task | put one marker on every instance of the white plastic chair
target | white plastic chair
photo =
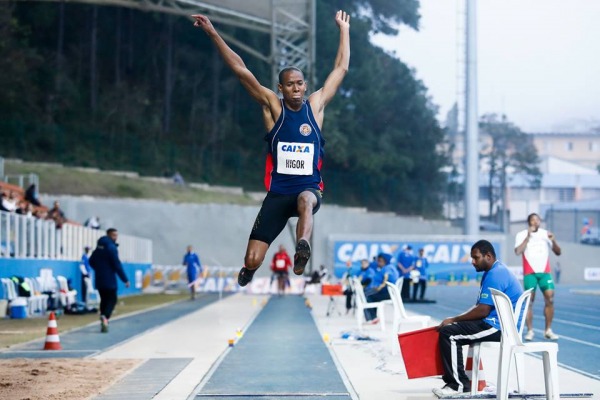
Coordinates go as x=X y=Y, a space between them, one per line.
x=67 y=297
x=11 y=294
x=92 y=296
x=37 y=302
x=400 y=315
x=520 y=314
x=511 y=344
x=362 y=304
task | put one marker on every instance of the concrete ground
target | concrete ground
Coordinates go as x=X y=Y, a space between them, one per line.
x=371 y=369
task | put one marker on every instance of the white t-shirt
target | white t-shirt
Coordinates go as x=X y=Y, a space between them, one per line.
x=536 y=257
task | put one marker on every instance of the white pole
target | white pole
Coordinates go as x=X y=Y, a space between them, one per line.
x=471 y=117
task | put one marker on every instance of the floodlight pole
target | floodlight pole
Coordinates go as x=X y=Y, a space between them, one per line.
x=471 y=136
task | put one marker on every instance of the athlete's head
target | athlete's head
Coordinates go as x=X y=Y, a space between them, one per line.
x=483 y=255
x=292 y=86
x=189 y=248
x=534 y=221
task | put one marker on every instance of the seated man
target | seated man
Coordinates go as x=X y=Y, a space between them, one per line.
x=378 y=291
x=478 y=324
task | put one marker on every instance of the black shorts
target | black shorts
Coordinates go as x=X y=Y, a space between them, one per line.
x=275 y=211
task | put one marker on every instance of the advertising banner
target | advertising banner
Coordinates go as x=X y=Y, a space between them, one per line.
x=449 y=258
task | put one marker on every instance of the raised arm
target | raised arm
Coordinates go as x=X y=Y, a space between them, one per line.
x=260 y=93
x=320 y=98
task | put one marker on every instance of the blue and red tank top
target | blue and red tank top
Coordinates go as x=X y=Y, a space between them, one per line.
x=295 y=152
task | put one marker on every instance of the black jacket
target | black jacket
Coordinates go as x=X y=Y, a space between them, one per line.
x=105 y=262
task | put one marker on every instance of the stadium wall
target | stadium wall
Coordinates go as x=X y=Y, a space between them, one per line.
x=219 y=232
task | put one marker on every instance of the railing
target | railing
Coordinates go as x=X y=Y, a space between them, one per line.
x=30 y=237
x=22 y=180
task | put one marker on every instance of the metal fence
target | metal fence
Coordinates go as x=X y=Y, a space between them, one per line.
x=29 y=237
x=568 y=225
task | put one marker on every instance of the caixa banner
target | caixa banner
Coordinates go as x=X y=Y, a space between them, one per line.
x=449 y=259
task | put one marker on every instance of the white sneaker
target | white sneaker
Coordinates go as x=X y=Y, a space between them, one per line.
x=550 y=335
x=529 y=335
x=445 y=391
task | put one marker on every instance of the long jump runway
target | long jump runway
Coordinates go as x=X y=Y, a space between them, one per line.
x=281 y=356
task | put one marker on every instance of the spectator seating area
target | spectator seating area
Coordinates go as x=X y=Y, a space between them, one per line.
x=39 y=294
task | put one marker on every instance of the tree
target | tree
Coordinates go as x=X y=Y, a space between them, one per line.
x=509 y=151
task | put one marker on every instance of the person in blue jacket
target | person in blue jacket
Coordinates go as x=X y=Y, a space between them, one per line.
x=406 y=263
x=86 y=271
x=378 y=291
x=193 y=267
x=106 y=264
x=478 y=324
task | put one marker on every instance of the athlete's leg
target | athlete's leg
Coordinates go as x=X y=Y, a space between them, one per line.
x=308 y=204
x=307 y=201
x=548 y=307
x=529 y=319
x=255 y=254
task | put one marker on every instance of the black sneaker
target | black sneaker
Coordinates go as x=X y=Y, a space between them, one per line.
x=245 y=276
x=301 y=257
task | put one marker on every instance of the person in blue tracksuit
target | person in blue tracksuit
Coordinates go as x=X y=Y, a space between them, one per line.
x=478 y=324
x=107 y=266
x=86 y=272
x=294 y=147
x=193 y=268
x=406 y=263
x=378 y=291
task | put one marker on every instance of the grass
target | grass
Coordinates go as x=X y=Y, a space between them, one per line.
x=15 y=331
x=56 y=179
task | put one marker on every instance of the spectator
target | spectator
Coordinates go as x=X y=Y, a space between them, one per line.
x=193 y=268
x=86 y=271
x=346 y=280
x=106 y=264
x=92 y=222
x=406 y=263
x=386 y=272
x=57 y=215
x=178 y=179
x=31 y=195
x=9 y=203
x=420 y=280
x=479 y=324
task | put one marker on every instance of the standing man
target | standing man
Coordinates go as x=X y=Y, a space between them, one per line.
x=478 y=324
x=406 y=263
x=534 y=244
x=295 y=147
x=280 y=266
x=193 y=267
x=86 y=271
x=421 y=265
x=106 y=264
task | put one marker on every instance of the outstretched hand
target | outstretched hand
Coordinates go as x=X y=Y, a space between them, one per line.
x=342 y=19
x=202 y=21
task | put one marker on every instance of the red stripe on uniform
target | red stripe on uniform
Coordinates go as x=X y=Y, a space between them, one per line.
x=268 y=171
x=319 y=165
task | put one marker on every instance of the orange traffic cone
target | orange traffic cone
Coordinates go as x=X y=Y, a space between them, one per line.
x=469 y=370
x=52 y=339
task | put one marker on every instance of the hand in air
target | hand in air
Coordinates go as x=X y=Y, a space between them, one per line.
x=342 y=19
x=202 y=21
